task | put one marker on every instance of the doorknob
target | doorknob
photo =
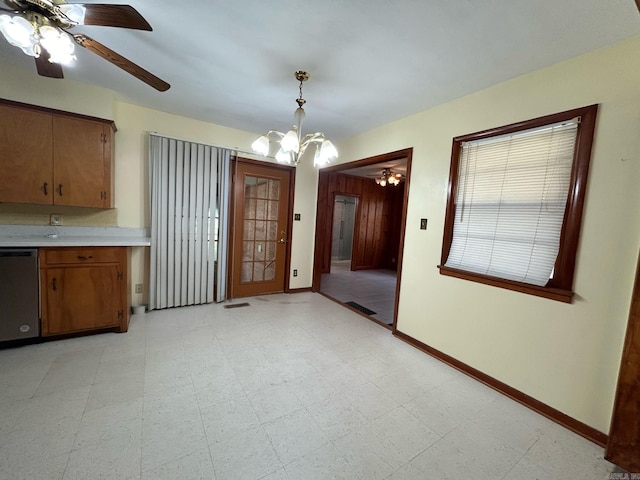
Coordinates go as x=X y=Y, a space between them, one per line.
x=283 y=237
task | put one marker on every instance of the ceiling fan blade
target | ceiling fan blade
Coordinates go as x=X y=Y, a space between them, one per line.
x=124 y=16
x=45 y=67
x=119 y=61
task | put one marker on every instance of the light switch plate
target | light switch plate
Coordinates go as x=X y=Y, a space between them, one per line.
x=423 y=224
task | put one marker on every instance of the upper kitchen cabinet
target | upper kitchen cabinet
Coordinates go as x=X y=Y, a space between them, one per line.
x=51 y=157
x=26 y=156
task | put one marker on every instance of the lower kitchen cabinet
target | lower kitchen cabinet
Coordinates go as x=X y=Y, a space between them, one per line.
x=84 y=289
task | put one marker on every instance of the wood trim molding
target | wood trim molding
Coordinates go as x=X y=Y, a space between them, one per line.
x=545 y=292
x=623 y=447
x=551 y=413
x=299 y=290
x=53 y=111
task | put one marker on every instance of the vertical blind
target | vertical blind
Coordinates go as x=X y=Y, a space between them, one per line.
x=189 y=189
x=510 y=203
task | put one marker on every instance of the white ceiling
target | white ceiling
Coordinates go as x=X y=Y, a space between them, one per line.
x=231 y=62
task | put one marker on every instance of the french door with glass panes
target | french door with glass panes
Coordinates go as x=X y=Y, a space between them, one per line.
x=260 y=228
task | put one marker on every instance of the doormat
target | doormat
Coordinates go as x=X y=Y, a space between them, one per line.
x=237 y=305
x=360 y=308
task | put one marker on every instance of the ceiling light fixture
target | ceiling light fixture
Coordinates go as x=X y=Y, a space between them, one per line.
x=292 y=145
x=389 y=178
x=34 y=33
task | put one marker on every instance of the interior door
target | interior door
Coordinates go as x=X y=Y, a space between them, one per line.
x=260 y=242
x=623 y=447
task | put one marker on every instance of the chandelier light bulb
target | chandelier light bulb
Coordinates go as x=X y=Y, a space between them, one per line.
x=283 y=157
x=261 y=145
x=289 y=142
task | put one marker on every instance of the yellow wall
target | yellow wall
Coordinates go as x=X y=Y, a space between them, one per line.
x=564 y=355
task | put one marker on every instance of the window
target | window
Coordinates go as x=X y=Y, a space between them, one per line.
x=515 y=201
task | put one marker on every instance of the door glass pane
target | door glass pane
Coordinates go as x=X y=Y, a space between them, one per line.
x=273 y=210
x=272 y=231
x=247 y=271
x=261 y=209
x=274 y=189
x=260 y=230
x=270 y=272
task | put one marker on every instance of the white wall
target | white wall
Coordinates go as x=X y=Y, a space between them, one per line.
x=566 y=355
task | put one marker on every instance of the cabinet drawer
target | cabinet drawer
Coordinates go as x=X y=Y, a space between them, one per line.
x=82 y=255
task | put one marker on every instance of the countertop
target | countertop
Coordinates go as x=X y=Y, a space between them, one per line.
x=45 y=236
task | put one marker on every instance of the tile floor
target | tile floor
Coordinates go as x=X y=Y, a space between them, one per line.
x=292 y=387
x=374 y=289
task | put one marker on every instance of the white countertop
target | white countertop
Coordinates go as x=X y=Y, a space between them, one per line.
x=45 y=236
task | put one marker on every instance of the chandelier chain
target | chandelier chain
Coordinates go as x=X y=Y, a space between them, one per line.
x=300 y=101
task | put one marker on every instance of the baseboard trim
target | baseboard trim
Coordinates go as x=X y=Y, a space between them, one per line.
x=551 y=413
x=299 y=290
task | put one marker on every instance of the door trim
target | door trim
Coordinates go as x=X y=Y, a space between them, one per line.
x=624 y=431
x=321 y=215
x=232 y=229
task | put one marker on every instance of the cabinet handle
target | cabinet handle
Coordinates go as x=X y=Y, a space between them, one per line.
x=60 y=189
x=44 y=188
x=84 y=257
x=53 y=285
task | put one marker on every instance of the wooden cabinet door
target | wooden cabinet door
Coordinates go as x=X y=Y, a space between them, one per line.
x=79 y=162
x=80 y=298
x=26 y=154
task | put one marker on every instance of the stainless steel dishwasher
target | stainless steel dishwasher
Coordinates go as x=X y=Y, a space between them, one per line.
x=19 y=294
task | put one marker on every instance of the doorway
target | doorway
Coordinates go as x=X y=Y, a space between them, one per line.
x=344 y=220
x=260 y=247
x=374 y=272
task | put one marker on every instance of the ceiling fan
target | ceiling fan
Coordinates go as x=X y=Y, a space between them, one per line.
x=40 y=29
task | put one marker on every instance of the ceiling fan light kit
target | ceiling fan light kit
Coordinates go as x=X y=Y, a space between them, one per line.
x=388 y=177
x=39 y=29
x=292 y=145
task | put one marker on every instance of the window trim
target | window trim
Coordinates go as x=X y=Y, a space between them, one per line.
x=560 y=287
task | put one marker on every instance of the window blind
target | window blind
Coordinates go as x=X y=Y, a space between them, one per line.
x=189 y=189
x=510 y=203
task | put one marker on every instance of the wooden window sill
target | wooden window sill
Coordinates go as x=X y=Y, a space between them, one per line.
x=565 y=296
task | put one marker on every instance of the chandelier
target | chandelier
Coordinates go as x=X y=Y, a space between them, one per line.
x=388 y=178
x=293 y=145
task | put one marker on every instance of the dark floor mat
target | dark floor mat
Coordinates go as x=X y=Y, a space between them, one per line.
x=360 y=308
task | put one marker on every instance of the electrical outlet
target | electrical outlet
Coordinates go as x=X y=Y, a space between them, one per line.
x=296 y=217
x=55 y=219
x=138 y=288
x=295 y=272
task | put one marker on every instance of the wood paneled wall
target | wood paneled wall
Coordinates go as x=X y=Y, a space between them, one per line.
x=378 y=220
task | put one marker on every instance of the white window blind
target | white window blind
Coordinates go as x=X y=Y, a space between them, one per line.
x=189 y=184
x=510 y=203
